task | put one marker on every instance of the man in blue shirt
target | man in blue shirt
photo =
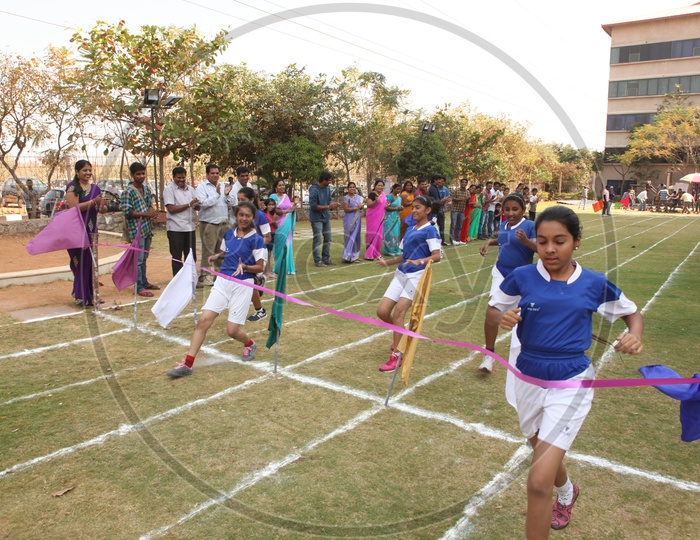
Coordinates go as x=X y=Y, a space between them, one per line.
x=439 y=193
x=319 y=205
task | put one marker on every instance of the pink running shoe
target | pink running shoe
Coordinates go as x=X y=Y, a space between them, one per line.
x=391 y=364
x=561 y=515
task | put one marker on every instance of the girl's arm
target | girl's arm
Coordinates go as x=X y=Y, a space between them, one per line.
x=256 y=268
x=523 y=239
x=390 y=262
x=505 y=319
x=630 y=342
x=346 y=206
x=434 y=256
x=217 y=256
x=485 y=247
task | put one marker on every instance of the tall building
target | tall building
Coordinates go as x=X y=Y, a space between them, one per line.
x=650 y=56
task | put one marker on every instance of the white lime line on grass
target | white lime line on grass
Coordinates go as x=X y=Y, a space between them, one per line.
x=499 y=483
x=125 y=429
x=82 y=383
x=39 y=350
x=610 y=352
x=271 y=469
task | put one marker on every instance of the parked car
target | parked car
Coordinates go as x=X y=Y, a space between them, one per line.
x=113 y=184
x=111 y=197
x=10 y=193
x=48 y=201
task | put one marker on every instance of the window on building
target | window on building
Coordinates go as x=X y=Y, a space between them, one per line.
x=654 y=87
x=625 y=122
x=655 y=51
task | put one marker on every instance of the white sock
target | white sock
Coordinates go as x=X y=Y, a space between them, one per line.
x=565 y=493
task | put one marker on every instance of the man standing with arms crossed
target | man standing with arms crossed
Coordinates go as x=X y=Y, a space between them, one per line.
x=181 y=202
x=441 y=196
x=319 y=205
x=460 y=197
x=213 y=218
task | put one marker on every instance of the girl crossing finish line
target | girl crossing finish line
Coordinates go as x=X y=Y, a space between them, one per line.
x=552 y=303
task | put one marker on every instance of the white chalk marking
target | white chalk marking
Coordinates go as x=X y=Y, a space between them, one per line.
x=39 y=350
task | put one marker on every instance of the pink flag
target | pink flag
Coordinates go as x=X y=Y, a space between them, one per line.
x=66 y=230
x=125 y=271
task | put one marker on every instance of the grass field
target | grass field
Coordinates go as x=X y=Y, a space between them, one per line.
x=236 y=451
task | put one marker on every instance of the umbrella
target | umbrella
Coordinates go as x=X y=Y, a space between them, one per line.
x=693 y=178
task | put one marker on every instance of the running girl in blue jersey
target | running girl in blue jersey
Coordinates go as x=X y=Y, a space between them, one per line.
x=516 y=247
x=243 y=252
x=552 y=302
x=420 y=244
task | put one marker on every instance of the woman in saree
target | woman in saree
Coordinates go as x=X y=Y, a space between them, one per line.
x=286 y=220
x=352 y=224
x=81 y=192
x=392 y=226
x=407 y=196
x=476 y=213
x=468 y=209
x=374 y=235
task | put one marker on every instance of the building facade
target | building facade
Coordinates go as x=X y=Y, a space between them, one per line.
x=650 y=57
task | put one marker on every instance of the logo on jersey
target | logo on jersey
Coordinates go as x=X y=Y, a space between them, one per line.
x=532 y=307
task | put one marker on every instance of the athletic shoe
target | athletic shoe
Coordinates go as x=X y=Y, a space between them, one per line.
x=320 y=264
x=561 y=514
x=391 y=364
x=258 y=315
x=329 y=263
x=249 y=352
x=180 y=371
x=487 y=364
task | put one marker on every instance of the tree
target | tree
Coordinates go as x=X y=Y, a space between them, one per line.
x=298 y=159
x=673 y=137
x=20 y=110
x=422 y=156
x=120 y=65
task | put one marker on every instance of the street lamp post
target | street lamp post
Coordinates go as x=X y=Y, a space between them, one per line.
x=152 y=100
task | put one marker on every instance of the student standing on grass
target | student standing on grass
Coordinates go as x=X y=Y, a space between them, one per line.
x=421 y=243
x=270 y=214
x=552 y=303
x=136 y=202
x=262 y=227
x=516 y=242
x=243 y=253
x=534 y=199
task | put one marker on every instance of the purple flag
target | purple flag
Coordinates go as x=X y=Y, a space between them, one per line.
x=66 y=230
x=125 y=271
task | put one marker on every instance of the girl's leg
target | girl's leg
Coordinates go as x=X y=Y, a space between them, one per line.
x=384 y=309
x=237 y=332
x=205 y=321
x=546 y=471
x=399 y=316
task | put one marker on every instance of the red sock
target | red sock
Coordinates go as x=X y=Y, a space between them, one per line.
x=189 y=360
x=250 y=343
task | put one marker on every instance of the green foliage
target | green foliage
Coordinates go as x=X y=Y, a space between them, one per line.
x=673 y=137
x=422 y=156
x=296 y=159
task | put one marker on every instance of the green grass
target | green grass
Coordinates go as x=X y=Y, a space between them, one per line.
x=311 y=451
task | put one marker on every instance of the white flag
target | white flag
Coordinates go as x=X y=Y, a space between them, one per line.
x=178 y=294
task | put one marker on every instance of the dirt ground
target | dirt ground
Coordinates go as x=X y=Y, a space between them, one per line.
x=23 y=302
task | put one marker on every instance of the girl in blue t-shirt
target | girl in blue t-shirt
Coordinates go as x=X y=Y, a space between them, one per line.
x=420 y=244
x=243 y=252
x=516 y=247
x=552 y=303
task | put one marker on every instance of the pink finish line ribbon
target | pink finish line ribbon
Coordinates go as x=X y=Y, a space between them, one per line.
x=589 y=383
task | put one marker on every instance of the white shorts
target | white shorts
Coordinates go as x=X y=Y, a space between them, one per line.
x=557 y=413
x=403 y=285
x=496 y=280
x=231 y=295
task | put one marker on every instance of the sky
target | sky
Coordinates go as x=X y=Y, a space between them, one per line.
x=542 y=63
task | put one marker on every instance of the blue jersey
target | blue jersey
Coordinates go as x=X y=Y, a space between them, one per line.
x=249 y=249
x=419 y=244
x=262 y=225
x=556 y=325
x=511 y=252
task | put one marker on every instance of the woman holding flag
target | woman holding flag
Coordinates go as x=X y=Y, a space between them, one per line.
x=421 y=243
x=81 y=192
x=243 y=252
